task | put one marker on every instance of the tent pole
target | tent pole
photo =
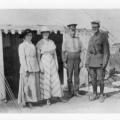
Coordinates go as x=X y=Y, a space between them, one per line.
x=2 y=82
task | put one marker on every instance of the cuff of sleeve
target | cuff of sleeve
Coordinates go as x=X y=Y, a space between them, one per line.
x=26 y=69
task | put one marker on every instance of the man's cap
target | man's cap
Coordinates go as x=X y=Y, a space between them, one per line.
x=72 y=26
x=95 y=22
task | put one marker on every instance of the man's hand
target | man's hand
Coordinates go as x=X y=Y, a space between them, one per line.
x=81 y=65
x=65 y=65
x=87 y=67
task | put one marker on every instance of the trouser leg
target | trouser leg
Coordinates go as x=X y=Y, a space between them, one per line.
x=100 y=75
x=69 y=75
x=76 y=74
x=93 y=76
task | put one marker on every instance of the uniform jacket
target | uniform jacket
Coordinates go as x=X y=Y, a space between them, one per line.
x=98 y=50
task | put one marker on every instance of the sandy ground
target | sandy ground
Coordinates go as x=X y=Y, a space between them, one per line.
x=75 y=105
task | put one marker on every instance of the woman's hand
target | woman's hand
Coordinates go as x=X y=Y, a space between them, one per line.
x=52 y=52
x=27 y=73
x=41 y=68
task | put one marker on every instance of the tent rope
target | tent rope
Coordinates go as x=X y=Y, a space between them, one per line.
x=10 y=93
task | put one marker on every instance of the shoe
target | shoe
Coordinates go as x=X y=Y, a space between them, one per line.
x=48 y=102
x=102 y=98
x=24 y=105
x=62 y=100
x=93 y=97
x=70 y=95
x=77 y=94
x=30 y=105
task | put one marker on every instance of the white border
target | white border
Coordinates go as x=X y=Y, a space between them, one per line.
x=59 y=4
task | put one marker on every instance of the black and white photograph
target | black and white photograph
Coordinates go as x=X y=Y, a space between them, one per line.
x=59 y=60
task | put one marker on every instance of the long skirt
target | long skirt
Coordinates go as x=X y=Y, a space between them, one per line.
x=49 y=80
x=29 y=88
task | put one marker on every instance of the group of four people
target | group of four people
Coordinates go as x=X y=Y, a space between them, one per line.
x=39 y=78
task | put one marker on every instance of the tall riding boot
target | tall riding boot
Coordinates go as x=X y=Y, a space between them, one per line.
x=95 y=88
x=101 y=88
x=102 y=97
x=94 y=95
x=70 y=88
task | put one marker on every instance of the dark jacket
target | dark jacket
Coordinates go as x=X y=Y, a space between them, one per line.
x=98 y=52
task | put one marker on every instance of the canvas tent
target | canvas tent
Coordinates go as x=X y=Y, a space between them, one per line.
x=18 y=20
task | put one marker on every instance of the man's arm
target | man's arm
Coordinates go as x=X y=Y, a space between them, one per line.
x=88 y=54
x=82 y=54
x=106 y=51
x=64 y=56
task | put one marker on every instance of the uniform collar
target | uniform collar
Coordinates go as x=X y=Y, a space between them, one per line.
x=97 y=33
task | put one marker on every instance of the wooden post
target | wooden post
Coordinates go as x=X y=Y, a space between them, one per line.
x=2 y=80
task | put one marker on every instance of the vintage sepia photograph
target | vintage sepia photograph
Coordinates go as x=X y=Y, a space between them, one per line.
x=59 y=61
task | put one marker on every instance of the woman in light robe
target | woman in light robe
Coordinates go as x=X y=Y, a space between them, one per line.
x=49 y=79
x=29 y=90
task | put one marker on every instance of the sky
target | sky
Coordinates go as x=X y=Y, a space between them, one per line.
x=110 y=19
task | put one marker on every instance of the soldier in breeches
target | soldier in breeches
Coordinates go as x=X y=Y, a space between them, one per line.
x=97 y=59
x=71 y=51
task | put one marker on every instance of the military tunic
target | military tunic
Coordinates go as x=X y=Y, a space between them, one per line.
x=97 y=57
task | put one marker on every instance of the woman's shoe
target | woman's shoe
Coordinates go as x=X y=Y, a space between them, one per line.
x=48 y=102
x=93 y=97
x=30 y=105
x=24 y=105
x=62 y=100
x=77 y=94
x=102 y=98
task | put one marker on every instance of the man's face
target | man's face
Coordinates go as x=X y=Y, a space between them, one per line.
x=72 y=32
x=95 y=28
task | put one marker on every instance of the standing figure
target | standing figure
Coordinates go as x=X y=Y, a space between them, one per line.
x=49 y=79
x=71 y=55
x=29 y=72
x=97 y=59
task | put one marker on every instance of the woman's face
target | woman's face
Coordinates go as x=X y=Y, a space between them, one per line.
x=28 y=37
x=45 y=35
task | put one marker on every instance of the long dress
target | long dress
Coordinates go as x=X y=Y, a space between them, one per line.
x=29 y=84
x=49 y=80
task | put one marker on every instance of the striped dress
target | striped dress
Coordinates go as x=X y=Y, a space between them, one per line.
x=49 y=79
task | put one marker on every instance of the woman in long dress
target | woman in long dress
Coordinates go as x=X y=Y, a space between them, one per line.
x=49 y=79
x=29 y=90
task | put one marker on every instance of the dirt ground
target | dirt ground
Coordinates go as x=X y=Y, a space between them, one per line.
x=74 y=105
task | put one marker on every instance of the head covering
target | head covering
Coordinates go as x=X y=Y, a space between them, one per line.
x=25 y=32
x=72 y=26
x=45 y=29
x=95 y=22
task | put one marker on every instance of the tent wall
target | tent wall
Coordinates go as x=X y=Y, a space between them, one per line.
x=2 y=80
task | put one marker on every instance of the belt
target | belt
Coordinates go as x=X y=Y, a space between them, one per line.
x=73 y=55
x=92 y=53
x=78 y=52
x=96 y=54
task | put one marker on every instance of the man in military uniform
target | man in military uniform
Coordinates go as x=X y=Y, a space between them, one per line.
x=71 y=50
x=97 y=59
